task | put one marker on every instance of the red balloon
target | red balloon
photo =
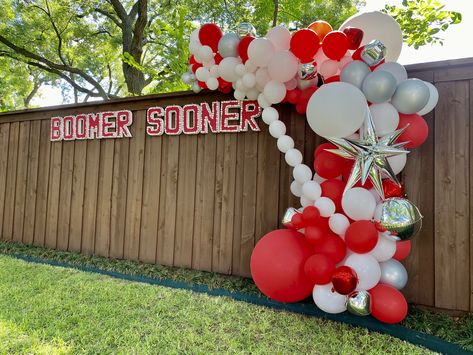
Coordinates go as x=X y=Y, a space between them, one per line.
x=333 y=246
x=319 y=269
x=355 y=36
x=388 y=305
x=209 y=35
x=335 y=45
x=301 y=108
x=333 y=189
x=292 y=96
x=403 y=249
x=344 y=280
x=192 y=60
x=357 y=54
x=315 y=234
x=346 y=174
x=304 y=44
x=202 y=84
x=297 y=221
x=218 y=58
x=332 y=79
x=243 y=47
x=329 y=165
x=196 y=66
x=391 y=189
x=307 y=93
x=322 y=147
x=373 y=67
x=416 y=132
x=361 y=236
x=277 y=265
x=310 y=215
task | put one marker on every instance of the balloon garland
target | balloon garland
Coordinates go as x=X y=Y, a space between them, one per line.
x=344 y=244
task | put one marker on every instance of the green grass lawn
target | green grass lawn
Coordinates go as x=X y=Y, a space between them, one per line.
x=54 y=310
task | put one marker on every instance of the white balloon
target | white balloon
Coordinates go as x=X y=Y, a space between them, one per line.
x=385 y=118
x=328 y=68
x=328 y=117
x=318 y=178
x=371 y=23
x=194 y=47
x=344 y=61
x=212 y=83
x=433 y=99
x=296 y=189
x=338 y=223
x=263 y=101
x=239 y=85
x=376 y=196
x=260 y=51
x=285 y=143
x=283 y=66
x=384 y=249
x=250 y=66
x=393 y=273
x=240 y=69
x=280 y=37
x=358 y=204
x=186 y=78
x=196 y=88
x=293 y=157
x=325 y=205
x=262 y=76
x=226 y=69
x=270 y=114
x=195 y=35
x=274 y=91
x=205 y=53
x=397 y=162
x=239 y=94
x=367 y=269
x=305 y=201
x=252 y=94
x=396 y=69
x=202 y=74
x=301 y=173
x=327 y=300
x=291 y=84
x=311 y=190
x=214 y=71
x=249 y=80
x=277 y=128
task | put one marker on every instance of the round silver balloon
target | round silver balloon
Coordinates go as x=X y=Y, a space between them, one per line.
x=411 y=96
x=354 y=73
x=245 y=29
x=393 y=273
x=307 y=71
x=400 y=217
x=359 y=303
x=228 y=45
x=374 y=52
x=379 y=86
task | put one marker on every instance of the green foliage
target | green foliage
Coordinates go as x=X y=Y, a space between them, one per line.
x=422 y=20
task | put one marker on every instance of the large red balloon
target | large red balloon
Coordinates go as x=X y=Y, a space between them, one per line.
x=319 y=269
x=209 y=35
x=304 y=44
x=361 y=236
x=403 y=249
x=277 y=265
x=333 y=189
x=344 y=280
x=388 y=305
x=416 y=132
x=321 y=148
x=243 y=47
x=333 y=246
x=355 y=36
x=335 y=45
x=329 y=165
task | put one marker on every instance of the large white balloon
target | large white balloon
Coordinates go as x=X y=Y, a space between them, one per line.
x=371 y=23
x=384 y=249
x=433 y=99
x=328 y=117
x=367 y=269
x=260 y=51
x=385 y=118
x=280 y=37
x=283 y=66
x=327 y=300
x=397 y=162
x=226 y=69
x=358 y=204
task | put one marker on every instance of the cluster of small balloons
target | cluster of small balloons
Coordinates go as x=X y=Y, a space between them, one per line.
x=344 y=244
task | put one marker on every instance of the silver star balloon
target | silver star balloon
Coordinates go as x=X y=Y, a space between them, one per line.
x=370 y=154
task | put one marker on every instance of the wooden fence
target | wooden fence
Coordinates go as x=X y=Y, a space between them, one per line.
x=203 y=201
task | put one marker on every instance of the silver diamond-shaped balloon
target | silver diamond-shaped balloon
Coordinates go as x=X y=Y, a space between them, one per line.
x=374 y=52
x=308 y=71
x=246 y=29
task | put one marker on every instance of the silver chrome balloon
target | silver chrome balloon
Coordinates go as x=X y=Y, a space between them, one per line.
x=359 y=303
x=374 y=52
x=393 y=273
x=287 y=218
x=379 y=86
x=400 y=217
x=307 y=71
x=228 y=45
x=245 y=29
x=411 y=96
x=354 y=73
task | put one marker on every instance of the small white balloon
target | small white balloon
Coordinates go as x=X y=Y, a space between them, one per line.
x=260 y=51
x=252 y=94
x=318 y=178
x=384 y=249
x=214 y=71
x=367 y=269
x=397 y=162
x=358 y=204
x=205 y=53
x=285 y=143
x=329 y=300
x=194 y=47
x=270 y=114
x=280 y=37
x=226 y=69
x=239 y=95
x=240 y=70
x=305 y=201
x=239 y=85
x=433 y=99
x=328 y=68
x=249 y=80
x=202 y=74
x=195 y=35
x=263 y=101
x=338 y=223
x=293 y=157
x=296 y=189
x=262 y=76
x=274 y=91
x=212 y=83
x=311 y=190
x=325 y=205
x=277 y=129
x=196 y=88
x=385 y=118
x=302 y=174
x=250 y=66
x=283 y=66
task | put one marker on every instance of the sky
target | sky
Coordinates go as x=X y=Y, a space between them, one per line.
x=457 y=44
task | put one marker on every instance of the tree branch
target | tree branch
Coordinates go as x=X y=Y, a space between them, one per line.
x=110 y=16
x=140 y=25
x=119 y=9
x=275 y=13
x=36 y=86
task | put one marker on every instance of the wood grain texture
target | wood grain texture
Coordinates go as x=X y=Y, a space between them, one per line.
x=77 y=195
x=10 y=189
x=65 y=195
x=4 y=145
x=53 y=195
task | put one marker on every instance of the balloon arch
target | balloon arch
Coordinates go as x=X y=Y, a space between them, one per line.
x=345 y=243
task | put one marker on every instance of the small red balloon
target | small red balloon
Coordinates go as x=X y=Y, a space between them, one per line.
x=403 y=249
x=310 y=215
x=354 y=36
x=333 y=246
x=307 y=93
x=333 y=189
x=297 y=221
x=243 y=47
x=361 y=236
x=209 y=35
x=301 y=108
x=344 y=280
x=192 y=60
x=202 y=84
x=329 y=165
x=196 y=66
x=319 y=269
x=391 y=189
x=332 y=79
x=322 y=147
x=315 y=234
x=388 y=305
x=416 y=132
x=218 y=58
x=304 y=44
x=335 y=45
x=292 y=96
x=357 y=54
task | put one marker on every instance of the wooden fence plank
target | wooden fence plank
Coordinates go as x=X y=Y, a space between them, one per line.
x=238 y=204
x=471 y=193
x=21 y=181
x=77 y=198
x=9 y=210
x=32 y=182
x=219 y=165
x=53 y=195
x=65 y=195
x=4 y=146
